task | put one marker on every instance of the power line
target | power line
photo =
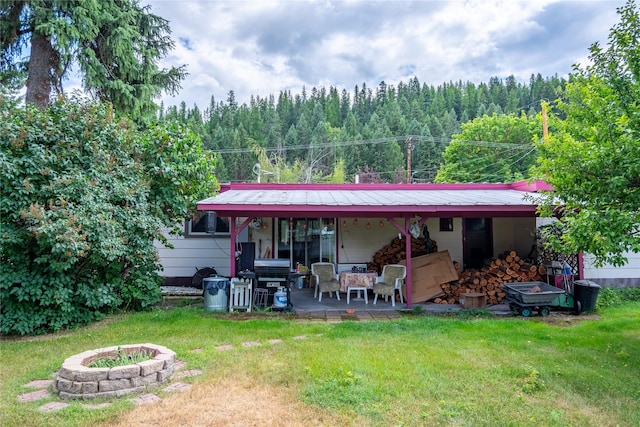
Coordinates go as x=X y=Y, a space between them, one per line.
x=490 y=144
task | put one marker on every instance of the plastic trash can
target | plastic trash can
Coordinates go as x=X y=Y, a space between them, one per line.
x=216 y=293
x=586 y=292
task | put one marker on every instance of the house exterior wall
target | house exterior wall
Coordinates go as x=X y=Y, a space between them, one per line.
x=192 y=253
x=447 y=240
x=514 y=234
x=608 y=275
x=357 y=245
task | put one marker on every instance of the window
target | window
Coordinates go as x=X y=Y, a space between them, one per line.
x=196 y=226
x=446 y=224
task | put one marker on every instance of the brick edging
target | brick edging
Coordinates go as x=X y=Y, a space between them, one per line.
x=75 y=380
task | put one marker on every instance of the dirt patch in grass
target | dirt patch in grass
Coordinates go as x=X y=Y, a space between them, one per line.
x=230 y=403
x=563 y=319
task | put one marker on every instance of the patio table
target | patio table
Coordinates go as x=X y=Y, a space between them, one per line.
x=359 y=281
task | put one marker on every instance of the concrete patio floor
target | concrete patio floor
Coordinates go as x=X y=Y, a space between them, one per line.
x=305 y=306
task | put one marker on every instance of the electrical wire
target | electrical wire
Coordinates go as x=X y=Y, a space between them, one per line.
x=401 y=139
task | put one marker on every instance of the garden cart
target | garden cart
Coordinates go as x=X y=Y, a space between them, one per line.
x=526 y=297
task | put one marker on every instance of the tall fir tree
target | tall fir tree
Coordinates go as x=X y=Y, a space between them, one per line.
x=116 y=45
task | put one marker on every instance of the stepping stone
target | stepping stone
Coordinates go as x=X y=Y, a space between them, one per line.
x=196 y=350
x=364 y=315
x=251 y=343
x=189 y=373
x=34 y=395
x=224 y=347
x=52 y=406
x=315 y=314
x=39 y=384
x=177 y=387
x=179 y=365
x=275 y=341
x=300 y=337
x=145 y=399
x=379 y=315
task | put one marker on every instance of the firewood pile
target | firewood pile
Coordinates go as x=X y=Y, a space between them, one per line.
x=395 y=252
x=505 y=268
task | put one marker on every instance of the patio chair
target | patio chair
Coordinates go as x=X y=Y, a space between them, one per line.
x=392 y=278
x=326 y=279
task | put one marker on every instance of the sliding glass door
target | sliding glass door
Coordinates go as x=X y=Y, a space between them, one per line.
x=306 y=240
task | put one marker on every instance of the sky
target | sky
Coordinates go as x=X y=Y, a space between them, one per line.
x=263 y=47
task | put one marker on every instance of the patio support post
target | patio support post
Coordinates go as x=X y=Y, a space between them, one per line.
x=407 y=224
x=407 y=237
x=232 y=243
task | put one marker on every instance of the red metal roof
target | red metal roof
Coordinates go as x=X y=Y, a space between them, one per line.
x=374 y=200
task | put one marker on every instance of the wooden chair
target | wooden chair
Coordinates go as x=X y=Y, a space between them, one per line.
x=326 y=279
x=392 y=278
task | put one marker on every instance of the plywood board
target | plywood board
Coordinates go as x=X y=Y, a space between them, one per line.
x=427 y=273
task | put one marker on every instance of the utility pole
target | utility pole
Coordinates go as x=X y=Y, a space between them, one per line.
x=545 y=126
x=409 y=160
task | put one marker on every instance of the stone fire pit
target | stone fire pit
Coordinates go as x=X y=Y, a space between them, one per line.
x=75 y=380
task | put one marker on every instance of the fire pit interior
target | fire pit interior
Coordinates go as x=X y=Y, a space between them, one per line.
x=75 y=380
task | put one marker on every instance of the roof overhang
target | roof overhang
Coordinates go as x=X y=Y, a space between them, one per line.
x=374 y=200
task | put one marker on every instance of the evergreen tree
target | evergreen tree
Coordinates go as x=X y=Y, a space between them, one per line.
x=115 y=44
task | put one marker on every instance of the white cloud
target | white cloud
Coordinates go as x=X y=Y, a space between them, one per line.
x=263 y=47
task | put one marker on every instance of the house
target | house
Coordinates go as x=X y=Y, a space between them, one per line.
x=347 y=223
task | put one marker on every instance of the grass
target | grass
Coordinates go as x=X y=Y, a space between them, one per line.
x=420 y=370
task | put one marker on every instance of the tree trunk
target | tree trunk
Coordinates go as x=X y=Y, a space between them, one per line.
x=42 y=62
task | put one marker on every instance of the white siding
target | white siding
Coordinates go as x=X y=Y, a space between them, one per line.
x=608 y=275
x=191 y=253
x=356 y=244
x=447 y=240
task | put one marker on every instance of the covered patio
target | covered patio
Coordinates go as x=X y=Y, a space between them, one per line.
x=400 y=205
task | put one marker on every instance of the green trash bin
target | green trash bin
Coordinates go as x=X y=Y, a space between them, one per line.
x=586 y=292
x=216 y=293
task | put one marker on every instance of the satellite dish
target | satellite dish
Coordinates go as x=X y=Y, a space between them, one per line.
x=210 y=223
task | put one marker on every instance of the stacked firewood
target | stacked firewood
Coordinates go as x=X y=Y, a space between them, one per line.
x=505 y=268
x=395 y=252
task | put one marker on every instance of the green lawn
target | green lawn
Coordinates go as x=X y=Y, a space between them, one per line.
x=420 y=370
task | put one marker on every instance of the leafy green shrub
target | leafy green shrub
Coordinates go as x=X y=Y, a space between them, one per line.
x=608 y=297
x=611 y=297
x=83 y=199
x=629 y=294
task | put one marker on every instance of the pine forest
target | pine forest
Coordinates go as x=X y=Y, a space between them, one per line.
x=383 y=134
